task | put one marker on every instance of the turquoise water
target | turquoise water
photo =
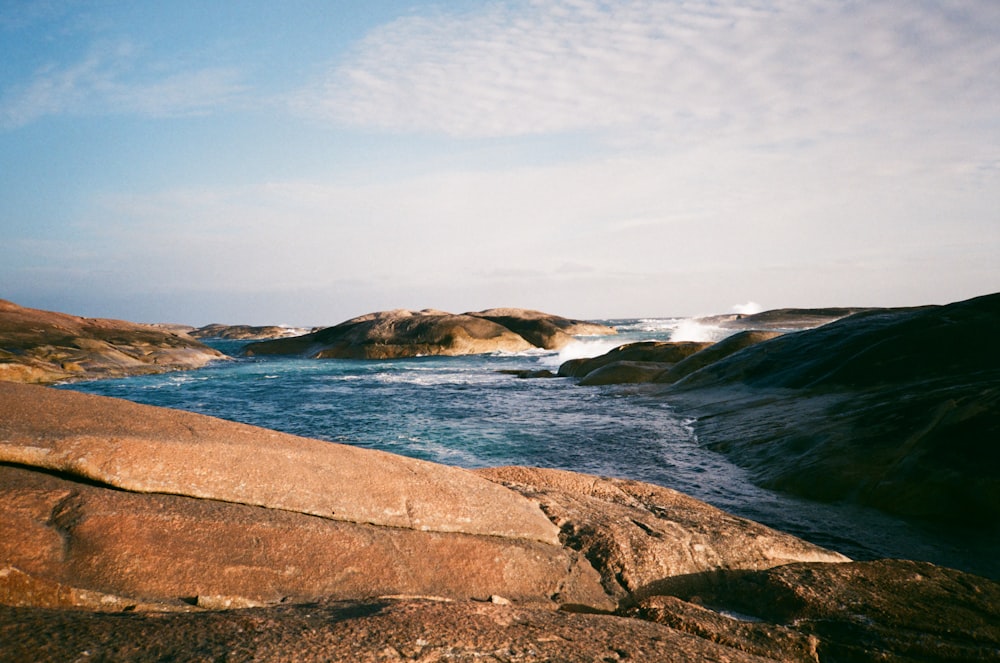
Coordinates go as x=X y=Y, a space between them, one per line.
x=462 y=411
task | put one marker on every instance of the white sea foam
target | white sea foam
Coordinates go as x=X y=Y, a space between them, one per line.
x=581 y=349
x=692 y=330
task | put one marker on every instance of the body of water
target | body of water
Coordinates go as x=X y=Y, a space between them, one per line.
x=463 y=411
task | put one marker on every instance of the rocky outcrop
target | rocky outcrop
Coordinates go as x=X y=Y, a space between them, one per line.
x=395 y=334
x=401 y=333
x=543 y=330
x=715 y=352
x=44 y=347
x=666 y=354
x=897 y=409
x=252 y=545
x=244 y=332
x=782 y=319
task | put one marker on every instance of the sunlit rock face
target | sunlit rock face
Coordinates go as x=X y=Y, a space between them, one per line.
x=43 y=347
x=402 y=333
x=898 y=409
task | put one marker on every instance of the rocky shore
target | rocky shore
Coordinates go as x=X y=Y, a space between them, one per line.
x=129 y=532
x=43 y=347
x=140 y=533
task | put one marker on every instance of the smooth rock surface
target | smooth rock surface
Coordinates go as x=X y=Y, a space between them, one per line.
x=543 y=330
x=43 y=347
x=663 y=352
x=155 y=450
x=395 y=334
x=894 y=409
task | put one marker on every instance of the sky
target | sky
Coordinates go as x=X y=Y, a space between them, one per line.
x=304 y=162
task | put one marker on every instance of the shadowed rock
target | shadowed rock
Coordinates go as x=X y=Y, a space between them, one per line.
x=543 y=330
x=624 y=372
x=44 y=347
x=895 y=409
x=636 y=534
x=715 y=352
x=661 y=352
x=863 y=611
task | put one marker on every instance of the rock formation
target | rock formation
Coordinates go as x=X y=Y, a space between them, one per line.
x=244 y=332
x=633 y=362
x=44 y=347
x=207 y=539
x=543 y=330
x=401 y=333
x=897 y=409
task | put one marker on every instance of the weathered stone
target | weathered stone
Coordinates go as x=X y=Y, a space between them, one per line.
x=44 y=347
x=168 y=548
x=244 y=332
x=543 y=330
x=394 y=334
x=894 y=409
x=366 y=631
x=647 y=351
x=636 y=534
x=715 y=352
x=154 y=450
x=624 y=372
x=862 y=611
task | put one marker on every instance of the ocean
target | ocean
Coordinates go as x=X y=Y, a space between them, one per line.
x=463 y=411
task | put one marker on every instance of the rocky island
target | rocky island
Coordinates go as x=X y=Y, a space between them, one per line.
x=402 y=333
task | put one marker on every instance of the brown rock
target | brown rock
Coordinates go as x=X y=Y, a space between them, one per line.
x=373 y=630
x=635 y=534
x=395 y=334
x=648 y=351
x=543 y=330
x=244 y=332
x=45 y=347
x=88 y=546
x=624 y=372
x=862 y=611
x=154 y=450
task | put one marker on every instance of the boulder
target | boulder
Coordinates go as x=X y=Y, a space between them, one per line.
x=625 y=372
x=663 y=352
x=43 y=347
x=396 y=334
x=543 y=330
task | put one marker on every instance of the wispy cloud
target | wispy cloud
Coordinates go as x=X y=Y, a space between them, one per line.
x=774 y=70
x=115 y=79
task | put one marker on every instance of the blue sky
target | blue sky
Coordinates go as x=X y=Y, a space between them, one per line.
x=305 y=162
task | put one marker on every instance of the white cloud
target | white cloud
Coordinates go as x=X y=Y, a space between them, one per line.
x=779 y=71
x=115 y=79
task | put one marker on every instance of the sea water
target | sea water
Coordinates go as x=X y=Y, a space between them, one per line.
x=464 y=411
